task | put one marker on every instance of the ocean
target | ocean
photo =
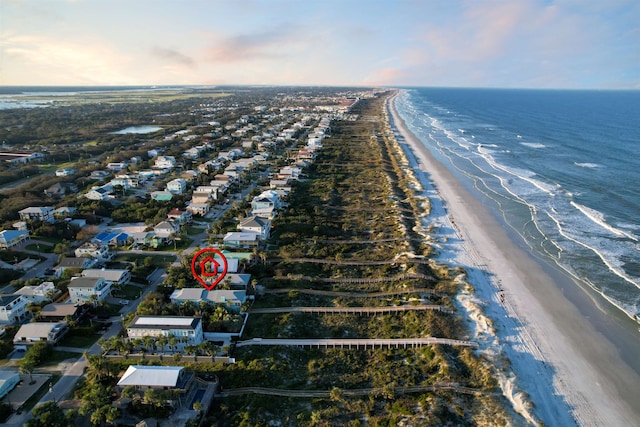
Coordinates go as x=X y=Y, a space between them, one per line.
x=560 y=169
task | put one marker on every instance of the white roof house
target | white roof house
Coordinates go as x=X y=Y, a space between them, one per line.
x=151 y=376
x=112 y=276
x=82 y=288
x=243 y=239
x=30 y=333
x=231 y=298
x=43 y=292
x=180 y=327
x=94 y=250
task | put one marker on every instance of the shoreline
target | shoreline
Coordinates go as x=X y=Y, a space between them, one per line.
x=571 y=373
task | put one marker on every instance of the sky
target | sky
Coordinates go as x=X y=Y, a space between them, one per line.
x=572 y=44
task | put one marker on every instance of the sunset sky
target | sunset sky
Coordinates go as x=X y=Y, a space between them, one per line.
x=473 y=43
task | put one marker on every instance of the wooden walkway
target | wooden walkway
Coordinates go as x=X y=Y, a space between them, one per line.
x=347 y=392
x=352 y=310
x=390 y=279
x=356 y=343
x=354 y=294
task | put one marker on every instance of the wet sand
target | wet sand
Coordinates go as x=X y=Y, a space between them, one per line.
x=570 y=371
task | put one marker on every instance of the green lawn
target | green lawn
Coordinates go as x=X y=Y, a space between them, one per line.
x=158 y=260
x=51 y=240
x=129 y=292
x=40 y=248
x=191 y=231
x=79 y=341
x=58 y=356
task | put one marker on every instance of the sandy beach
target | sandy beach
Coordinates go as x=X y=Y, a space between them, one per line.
x=560 y=370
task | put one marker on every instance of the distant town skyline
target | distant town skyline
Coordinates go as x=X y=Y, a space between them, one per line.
x=572 y=44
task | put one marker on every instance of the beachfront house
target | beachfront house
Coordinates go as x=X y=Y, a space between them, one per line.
x=188 y=330
x=173 y=378
x=241 y=239
x=232 y=300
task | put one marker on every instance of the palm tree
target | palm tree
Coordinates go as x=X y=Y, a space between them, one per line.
x=162 y=341
x=148 y=341
x=172 y=340
x=137 y=343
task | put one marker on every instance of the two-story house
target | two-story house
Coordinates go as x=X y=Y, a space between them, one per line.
x=11 y=238
x=113 y=277
x=81 y=289
x=39 y=213
x=45 y=291
x=177 y=186
x=230 y=299
x=179 y=216
x=256 y=224
x=94 y=250
x=13 y=309
x=188 y=330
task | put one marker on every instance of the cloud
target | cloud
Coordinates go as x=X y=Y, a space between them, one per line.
x=172 y=56
x=80 y=63
x=271 y=44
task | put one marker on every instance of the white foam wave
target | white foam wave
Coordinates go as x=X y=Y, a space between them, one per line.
x=533 y=145
x=598 y=218
x=587 y=165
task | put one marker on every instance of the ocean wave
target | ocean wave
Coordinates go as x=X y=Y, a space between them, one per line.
x=533 y=145
x=598 y=218
x=587 y=165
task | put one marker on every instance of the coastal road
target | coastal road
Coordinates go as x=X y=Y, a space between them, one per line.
x=62 y=389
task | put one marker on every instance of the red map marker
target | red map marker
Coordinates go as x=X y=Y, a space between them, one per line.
x=207 y=269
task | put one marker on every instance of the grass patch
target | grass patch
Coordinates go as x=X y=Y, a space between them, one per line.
x=161 y=261
x=191 y=231
x=52 y=240
x=78 y=341
x=40 y=248
x=113 y=309
x=129 y=292
x=59 y=356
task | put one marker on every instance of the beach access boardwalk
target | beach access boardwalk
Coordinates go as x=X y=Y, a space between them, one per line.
x=351 y=310
x=389 y=279
x=398 y=260
x=353 y=294
x=356 y=343
x=348 y=392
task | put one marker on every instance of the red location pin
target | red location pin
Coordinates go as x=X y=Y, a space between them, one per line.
x=209 y=267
